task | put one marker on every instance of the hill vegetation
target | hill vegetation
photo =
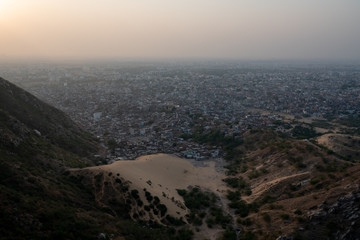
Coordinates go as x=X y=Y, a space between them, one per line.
x=278 y=180
x=39 y=198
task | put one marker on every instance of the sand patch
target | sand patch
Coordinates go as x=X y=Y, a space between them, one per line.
x=162 y=174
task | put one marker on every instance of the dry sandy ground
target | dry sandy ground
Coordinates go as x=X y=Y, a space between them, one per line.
x=345 y=145
x=329 y=140
x=162 y=174
x=324 y=140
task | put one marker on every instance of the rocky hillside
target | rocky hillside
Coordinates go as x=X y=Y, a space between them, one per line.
x=39 y=199
x=280 y=185
x=277 y=186
x=338 y=220
x=45 y=120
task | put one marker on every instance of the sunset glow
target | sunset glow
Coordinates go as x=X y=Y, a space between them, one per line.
x=186 y=29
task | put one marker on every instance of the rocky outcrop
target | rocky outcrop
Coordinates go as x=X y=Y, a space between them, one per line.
x=346 y=211
x=338 y=221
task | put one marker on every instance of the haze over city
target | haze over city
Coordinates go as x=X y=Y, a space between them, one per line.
x=227 y=29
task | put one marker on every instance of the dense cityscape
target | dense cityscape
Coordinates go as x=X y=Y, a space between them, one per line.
x=146 y=108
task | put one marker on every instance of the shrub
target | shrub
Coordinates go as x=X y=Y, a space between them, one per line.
x=254 y=174
x=300 y=165
x=233 y=196
x=298 y=212
x=266 y=217
x=246 y=222
x=174 y=221
x=135 y=193
x=314 y=181
x=156 y=200
x=139 y=202
x=285 y=216
x=195 y=199
x=148 y=196
x=163 y=209
x=181 y=192
x=210 y=222
x=220 y=218
x=242 y=208
x=236 y=182
x=229 y=234
x=248 y=235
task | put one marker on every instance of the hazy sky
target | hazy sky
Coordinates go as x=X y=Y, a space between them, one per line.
x=240 y=29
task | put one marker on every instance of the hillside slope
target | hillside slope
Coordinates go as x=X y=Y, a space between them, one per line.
x=342 y=144
x=47 y=120
x=276 y=186
x=39 y=199
x=285 y=183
